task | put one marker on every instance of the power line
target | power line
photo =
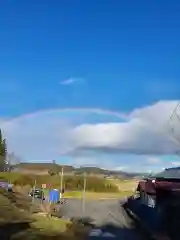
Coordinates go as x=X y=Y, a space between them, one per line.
x=174 y=112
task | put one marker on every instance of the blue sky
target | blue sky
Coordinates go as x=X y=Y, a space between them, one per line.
x=120 y=56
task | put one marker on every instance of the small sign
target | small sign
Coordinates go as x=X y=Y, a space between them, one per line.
x=43 y=186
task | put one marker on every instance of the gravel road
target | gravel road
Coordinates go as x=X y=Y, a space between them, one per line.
x=108 y=216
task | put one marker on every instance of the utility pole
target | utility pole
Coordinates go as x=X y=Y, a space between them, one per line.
x=62 y=174
x=84 y=195
x=34 y=188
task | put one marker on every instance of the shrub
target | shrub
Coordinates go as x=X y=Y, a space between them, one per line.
x=70 y=182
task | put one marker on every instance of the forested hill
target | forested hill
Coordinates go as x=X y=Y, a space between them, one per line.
x=42 y=167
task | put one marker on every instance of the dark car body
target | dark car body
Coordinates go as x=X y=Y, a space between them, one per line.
x=37 y=193
x=160 y=195
x=168 y=180
x=152 y=186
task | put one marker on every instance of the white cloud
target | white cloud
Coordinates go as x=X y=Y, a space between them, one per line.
x=153 y=160
x=121 y=168
x=46 y=135
x=93 y=161
x=85 y=161
x=176 y=163
x=70 y=81
x=146 y=132
x=2 y=121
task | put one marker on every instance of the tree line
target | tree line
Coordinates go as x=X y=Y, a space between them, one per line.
x=70 y=183
x=3 y=153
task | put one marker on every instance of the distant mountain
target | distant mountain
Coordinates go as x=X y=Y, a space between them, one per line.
x=42 y=167
x=45 y=167
x=96 y=170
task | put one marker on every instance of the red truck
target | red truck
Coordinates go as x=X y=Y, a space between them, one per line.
x=162 y=192
x=165 y=184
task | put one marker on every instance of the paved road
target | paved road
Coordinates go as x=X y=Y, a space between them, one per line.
x=108 y=216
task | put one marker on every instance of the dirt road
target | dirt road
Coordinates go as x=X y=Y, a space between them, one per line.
x=109 y=218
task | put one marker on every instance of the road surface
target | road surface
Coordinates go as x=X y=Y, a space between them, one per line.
x=108 y=217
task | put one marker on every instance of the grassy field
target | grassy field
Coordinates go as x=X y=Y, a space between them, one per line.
x=16 y=211
x=126 y=188
x=43 y=227
x=52 y=228
x=95 y=195
x=124 y=185
x=18 y=222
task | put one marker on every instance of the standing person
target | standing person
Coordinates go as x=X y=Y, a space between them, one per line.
x=10 y=187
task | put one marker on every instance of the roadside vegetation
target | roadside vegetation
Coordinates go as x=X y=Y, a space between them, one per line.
x=69 y=182
x=73 y=185
x=19 y=218
x=22 y=218
x=18 y=221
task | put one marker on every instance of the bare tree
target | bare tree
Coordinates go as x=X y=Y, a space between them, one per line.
x=12 y=160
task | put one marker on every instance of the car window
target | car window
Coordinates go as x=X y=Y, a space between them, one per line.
x=169 y=173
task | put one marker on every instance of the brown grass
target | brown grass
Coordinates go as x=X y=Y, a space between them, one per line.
x=13 y=208
x=17 y=222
